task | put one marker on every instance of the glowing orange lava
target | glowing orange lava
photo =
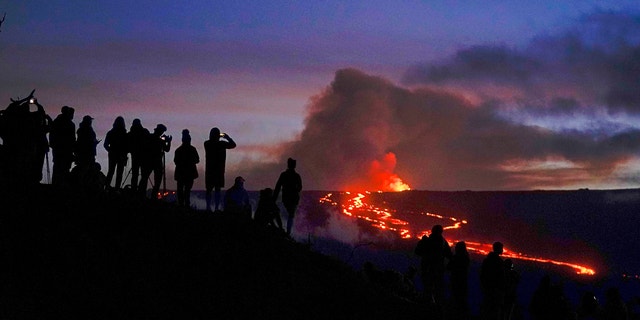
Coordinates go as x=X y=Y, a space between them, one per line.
x=382 y=218
x=382 y=176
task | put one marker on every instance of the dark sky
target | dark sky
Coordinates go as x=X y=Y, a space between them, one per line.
x=438 y=95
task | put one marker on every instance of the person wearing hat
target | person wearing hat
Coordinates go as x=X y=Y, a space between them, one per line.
x=86 y=143
x=62 y=139
x=153 y=159
x=186 y=157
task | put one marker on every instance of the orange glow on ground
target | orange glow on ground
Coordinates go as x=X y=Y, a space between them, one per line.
x=382 y=218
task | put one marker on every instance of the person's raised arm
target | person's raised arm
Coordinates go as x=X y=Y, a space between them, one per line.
x=231 y=144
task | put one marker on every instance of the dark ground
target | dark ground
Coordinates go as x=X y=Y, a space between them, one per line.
x=118 y=257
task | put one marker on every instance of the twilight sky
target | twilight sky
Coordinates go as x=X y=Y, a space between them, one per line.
x=444 y=95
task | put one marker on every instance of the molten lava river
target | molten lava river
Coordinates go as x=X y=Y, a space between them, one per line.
x=356 y=205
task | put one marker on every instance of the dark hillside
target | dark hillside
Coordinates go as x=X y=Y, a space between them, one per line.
x=112 y=256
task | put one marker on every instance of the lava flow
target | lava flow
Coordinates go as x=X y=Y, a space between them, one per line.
x=383 y=218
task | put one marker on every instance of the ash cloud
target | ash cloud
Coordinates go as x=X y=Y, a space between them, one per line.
x=484 y=119
x=441 y=141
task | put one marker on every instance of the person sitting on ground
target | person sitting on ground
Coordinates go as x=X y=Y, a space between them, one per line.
x=268 y=212
x=236 y=200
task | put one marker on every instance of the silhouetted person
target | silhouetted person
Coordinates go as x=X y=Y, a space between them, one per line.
x=62 y=139
x=86 y=143
x=153 y=159
x=41 y=123
x=291 y=184
x=22 y=135
x=614 y=306
x=216 y=156
x=493 y=283
x=267 y=212
x=433 y=250
x=186 y=157
x=512 y=278
x=459 y=268
x=115 y=142
x=137 y=137
x=236 y=201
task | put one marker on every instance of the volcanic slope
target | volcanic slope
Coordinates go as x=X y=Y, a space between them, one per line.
x=116 y=256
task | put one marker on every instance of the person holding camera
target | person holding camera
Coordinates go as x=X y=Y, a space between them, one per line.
x=153 y=158
x=215 y=157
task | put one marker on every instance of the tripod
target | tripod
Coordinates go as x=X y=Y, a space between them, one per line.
x=122 y=184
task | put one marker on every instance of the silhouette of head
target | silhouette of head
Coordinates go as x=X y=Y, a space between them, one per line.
x=87 y=119
x=291 y=163
x=160 y=129
x=214 y=134
x=119 y=122
x=437 y=230
x=498 y=247
x=266 y=193
x=67 y=111
x=186 y=137
x=239 y=181
x=136 y=123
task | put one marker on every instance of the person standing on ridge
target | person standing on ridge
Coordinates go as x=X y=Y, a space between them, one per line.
x=62 y=139
x=136 y=139
x=434 y=250
x=86 y=143
x=493 y=283
x=153 y=159
x=216 y=155
x=186 y=157
x=459 y=268
x=290 y=183
x=115 y=142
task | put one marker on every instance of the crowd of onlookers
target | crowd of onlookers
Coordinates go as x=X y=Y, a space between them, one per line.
x=28 y=135
x=499 y=284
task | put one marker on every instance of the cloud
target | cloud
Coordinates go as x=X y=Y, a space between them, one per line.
x=440 y=140
x=597 y=62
